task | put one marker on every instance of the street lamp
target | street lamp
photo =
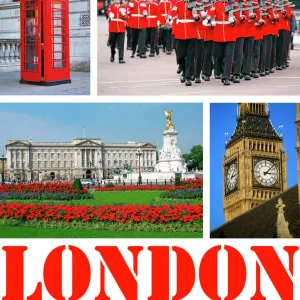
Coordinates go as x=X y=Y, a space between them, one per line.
x=139 y=154
x=3 y=160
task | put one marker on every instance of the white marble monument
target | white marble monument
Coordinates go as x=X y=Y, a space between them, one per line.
x=170 y=156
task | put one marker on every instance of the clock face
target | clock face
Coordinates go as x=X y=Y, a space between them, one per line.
x=266 y=172
x=232 y=177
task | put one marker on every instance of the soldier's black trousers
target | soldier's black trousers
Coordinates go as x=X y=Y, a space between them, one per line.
x=117 y=39
x=238 y=56
x=256 y=55
x=280 y=48
x=198 y=57
x=138 y=38
x=273 y=51
x=207 y=59
x=166 y=38
x=248 y=52
x=268 y=52
x=128 y=31
x=186 y=55
x=262 y=58
x=224 y=51
x=287 y=40
x=151 y=33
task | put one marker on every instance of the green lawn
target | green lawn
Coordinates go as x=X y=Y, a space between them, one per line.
x=113 y=198
x=27 y=232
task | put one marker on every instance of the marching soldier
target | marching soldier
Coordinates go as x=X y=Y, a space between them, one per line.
x=199 y=46
x=258 y=38
x=288 y=16
x=138 y=14
x=240 y=31
x=251 y=17
x=117 y=14
x=186 y=35
x=152 y=20
x=208 y=46
x=165 y=26
x=280 y=48
x=224 y=37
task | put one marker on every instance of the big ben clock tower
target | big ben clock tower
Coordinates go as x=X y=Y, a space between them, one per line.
x=254 y=166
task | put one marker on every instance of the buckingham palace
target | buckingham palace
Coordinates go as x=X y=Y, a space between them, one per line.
x=81 y=158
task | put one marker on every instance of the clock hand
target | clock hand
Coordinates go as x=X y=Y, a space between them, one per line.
x=269 y=170
x=233 y=176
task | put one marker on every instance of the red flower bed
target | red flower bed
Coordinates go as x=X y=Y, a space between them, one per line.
x=50 y=187
x=184 y=184
x=119 y=213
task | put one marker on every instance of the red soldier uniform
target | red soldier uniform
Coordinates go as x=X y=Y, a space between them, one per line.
x=138 y=23
x=224 y=37
x=152 y=21
x=186 y=35
x=166 y=28
x=117 y=14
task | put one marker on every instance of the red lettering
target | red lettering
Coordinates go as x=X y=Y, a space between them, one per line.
x=81 y=273
x=185 y=273
x=160 y=272
x=15 y=275
x=275 y=270
x=119 y=270
x=209 y=273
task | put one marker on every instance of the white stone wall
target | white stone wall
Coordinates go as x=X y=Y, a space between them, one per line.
x=79 y=14
x=72 y=159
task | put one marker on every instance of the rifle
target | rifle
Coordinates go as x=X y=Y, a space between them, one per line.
x=195 y=6
x=230 y=8
x=252 y=7
x=279 y=6
x=262 y=7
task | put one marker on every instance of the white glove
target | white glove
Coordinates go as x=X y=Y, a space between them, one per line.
x=252 y=16
x=243 y=18
x=261 y=22
x=213 y=23
x=145 y=13
x=231 y=20
x=131 y=5
x=123 y=13
x=111 y=15
x=205 y=22
x=203 y=14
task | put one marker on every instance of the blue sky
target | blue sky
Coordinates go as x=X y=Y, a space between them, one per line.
x=223 y=119
x=110 y=122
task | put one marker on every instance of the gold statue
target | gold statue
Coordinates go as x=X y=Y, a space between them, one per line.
x=169 y=124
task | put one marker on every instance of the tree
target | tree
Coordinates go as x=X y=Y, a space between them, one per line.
x=127 y=167
x=194 y=159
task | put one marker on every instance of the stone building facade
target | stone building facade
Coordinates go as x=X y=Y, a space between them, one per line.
x=81 y=158
x=79 y=16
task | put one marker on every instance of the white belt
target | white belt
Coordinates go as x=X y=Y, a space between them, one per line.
x=151 y=17
x=118 y=20
x=137 y=15
x=223 y=22
x=258 y=24
x=164 y=15
x=186 y=21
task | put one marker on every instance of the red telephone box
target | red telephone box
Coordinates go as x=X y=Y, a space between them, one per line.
x=45 y=48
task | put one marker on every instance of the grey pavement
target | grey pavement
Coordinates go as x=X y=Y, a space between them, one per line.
x=10 y=85
x=157 y=76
